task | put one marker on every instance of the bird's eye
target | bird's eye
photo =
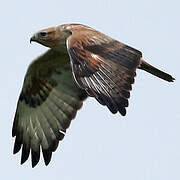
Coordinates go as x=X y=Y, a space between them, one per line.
x=43 y=34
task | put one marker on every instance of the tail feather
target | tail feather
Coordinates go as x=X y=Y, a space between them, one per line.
x=147 y=67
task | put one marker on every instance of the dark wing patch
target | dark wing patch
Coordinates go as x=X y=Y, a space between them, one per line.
x=37 y=94
x=48 y=102
x=105 y=68
x=124 y=55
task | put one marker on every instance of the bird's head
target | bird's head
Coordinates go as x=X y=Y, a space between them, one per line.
x=54 y=38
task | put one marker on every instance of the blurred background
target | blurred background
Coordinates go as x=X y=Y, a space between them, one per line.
x=143 y=145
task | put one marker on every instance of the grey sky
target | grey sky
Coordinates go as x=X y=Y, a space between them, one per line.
x=145 y=144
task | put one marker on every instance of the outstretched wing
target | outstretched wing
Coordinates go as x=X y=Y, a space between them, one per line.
x=104 y=67
x=48 y=102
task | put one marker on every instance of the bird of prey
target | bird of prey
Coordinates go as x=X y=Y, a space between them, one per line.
x=81 y=62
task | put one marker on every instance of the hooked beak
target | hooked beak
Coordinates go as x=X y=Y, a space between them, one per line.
x=33 y=38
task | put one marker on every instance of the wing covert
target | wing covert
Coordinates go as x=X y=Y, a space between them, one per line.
x=104 y=67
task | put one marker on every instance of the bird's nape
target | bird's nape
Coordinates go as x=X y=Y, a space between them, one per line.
x=81 y=62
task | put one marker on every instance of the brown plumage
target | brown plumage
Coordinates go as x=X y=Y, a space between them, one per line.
x=82 y=62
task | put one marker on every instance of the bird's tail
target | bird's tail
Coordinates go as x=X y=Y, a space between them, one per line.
x=147 y=67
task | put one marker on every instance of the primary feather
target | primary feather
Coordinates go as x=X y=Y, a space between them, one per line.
x=48 y=102
x=81 y=62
